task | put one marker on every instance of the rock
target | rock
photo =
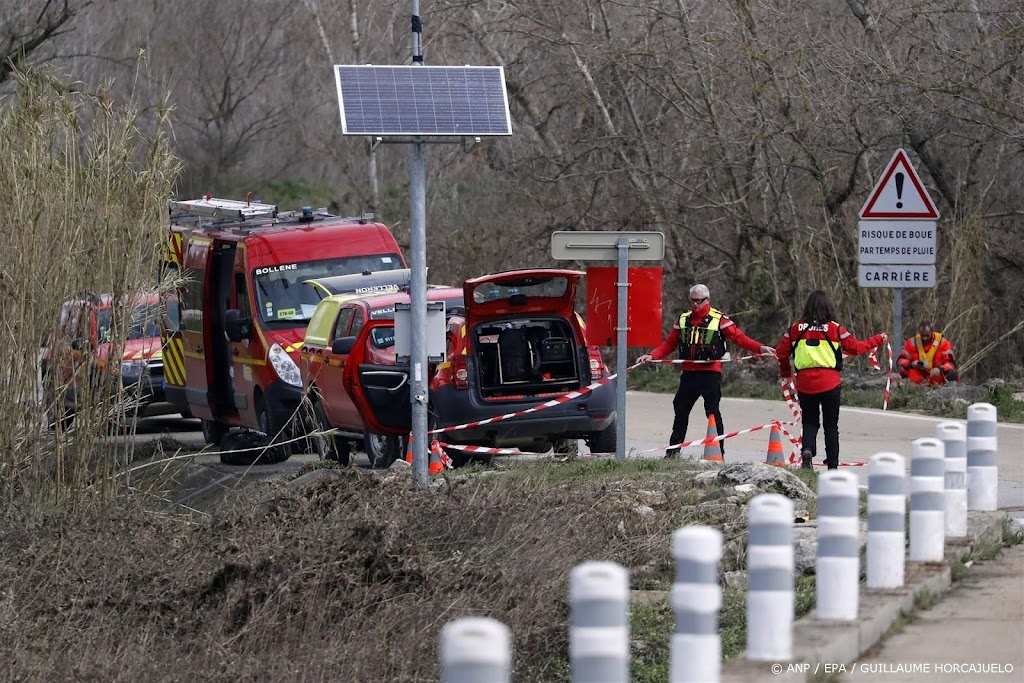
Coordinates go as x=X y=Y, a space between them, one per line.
x=706 y=478
x=643 y=510
x=805 y=547
x=766 y=478
x=746 y=488
x=736 y=580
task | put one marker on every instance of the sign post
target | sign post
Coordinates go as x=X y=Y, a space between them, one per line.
x=621 y=247
x=897 y=235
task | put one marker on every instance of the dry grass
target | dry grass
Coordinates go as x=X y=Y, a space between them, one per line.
x=350 y=579
x=82 y=190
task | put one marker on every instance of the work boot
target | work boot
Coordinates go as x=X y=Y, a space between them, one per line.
x=671 y=453
x=805 y=459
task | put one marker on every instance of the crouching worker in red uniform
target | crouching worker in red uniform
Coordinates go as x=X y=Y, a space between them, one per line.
x=928 y=357
x=700 y=335
x=814 y=347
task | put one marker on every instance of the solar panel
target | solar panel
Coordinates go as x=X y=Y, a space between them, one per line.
x=423 y=100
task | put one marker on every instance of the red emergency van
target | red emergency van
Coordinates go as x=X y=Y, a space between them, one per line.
x=243 y=273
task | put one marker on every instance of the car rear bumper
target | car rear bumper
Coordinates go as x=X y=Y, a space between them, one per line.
x=592 y=412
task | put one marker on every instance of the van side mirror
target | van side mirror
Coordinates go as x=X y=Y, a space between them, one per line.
x=343 y=346
x=237 y=328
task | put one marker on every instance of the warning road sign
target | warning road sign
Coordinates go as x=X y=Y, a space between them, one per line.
x=899 y=194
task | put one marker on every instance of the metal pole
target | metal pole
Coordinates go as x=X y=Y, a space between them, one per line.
x=897 y=317
x=622 y=288
x=418 y=287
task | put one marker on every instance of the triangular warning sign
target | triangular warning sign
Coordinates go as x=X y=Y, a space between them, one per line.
x=899 y=193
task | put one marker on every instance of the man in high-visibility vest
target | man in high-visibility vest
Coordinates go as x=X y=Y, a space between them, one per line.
x=699 y=335
x=927 y=357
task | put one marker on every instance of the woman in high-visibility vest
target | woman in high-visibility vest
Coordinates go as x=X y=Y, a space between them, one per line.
x=814 y=347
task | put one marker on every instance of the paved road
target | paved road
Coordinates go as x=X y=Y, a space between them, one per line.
x=862 y=433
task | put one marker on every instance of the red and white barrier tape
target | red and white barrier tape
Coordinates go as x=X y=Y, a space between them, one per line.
x=677 y=361
x=788 y=393
x=547 y=404
x=707 y=441
x=888 y=376
x=486 y=449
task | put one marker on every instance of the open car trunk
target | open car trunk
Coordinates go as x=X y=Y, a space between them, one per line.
x=519 y=357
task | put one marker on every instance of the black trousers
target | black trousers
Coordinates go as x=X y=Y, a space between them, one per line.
x=694 y=385
x=828 y=403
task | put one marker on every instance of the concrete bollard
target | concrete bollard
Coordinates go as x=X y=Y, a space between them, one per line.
x=954 y=436
x=696 y=650
x=475 y=649
x=927 y=500
x=982 y=465
x=599 y=623
x=887 y=509
x=770 y=579
x=837 y=565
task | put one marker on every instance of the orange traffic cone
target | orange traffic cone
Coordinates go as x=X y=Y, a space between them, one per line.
x=775 y=455
x=436 y=465
x=408 y=450
x=712 y=449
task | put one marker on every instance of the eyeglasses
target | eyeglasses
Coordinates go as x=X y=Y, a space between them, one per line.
x=698 y=301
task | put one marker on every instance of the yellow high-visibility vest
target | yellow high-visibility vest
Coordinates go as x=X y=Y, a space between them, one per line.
x=928 y=358
x=816 y=353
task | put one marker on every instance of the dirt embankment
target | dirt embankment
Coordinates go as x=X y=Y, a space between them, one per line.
x=350 y=579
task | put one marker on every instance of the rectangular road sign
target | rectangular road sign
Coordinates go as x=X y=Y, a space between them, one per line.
x=907 y=242
x=603 y=245
x=897 y=276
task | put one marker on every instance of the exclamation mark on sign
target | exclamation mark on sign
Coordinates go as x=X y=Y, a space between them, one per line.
x=899 y=190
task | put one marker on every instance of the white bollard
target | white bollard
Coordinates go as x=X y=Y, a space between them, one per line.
x=599 y=623
x=982 y=465
x=927 y=500
x=770 y=579
x=887 y=509
x=954 y=436
x=696 y=649
x=837 y=565
x=475 y=649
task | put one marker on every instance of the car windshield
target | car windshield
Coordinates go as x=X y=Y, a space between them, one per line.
x=282 y=296
x=530 y=287
x=144 y=321
x=452 y=306
x=384 y=337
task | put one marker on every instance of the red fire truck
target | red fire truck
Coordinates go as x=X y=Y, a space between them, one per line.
x=242 y=271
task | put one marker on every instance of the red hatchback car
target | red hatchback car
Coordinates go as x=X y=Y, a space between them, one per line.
x=324 y=354
x=520 y=344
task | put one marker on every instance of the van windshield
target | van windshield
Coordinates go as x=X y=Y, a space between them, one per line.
x=283 y=297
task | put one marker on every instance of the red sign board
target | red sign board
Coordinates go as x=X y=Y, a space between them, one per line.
x=643 y=306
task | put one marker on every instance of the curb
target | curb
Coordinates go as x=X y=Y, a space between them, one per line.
x=819 y=643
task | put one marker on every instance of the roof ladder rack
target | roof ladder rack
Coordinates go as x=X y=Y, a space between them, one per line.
x=211 y=207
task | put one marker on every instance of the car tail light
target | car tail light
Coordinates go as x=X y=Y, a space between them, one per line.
x=597 y=367
x=460 y=373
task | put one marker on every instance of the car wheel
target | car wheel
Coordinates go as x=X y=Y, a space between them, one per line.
x=213 y=431
x=329 y=447
x=383 y=449
x=276 y=451
x=603 y=441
